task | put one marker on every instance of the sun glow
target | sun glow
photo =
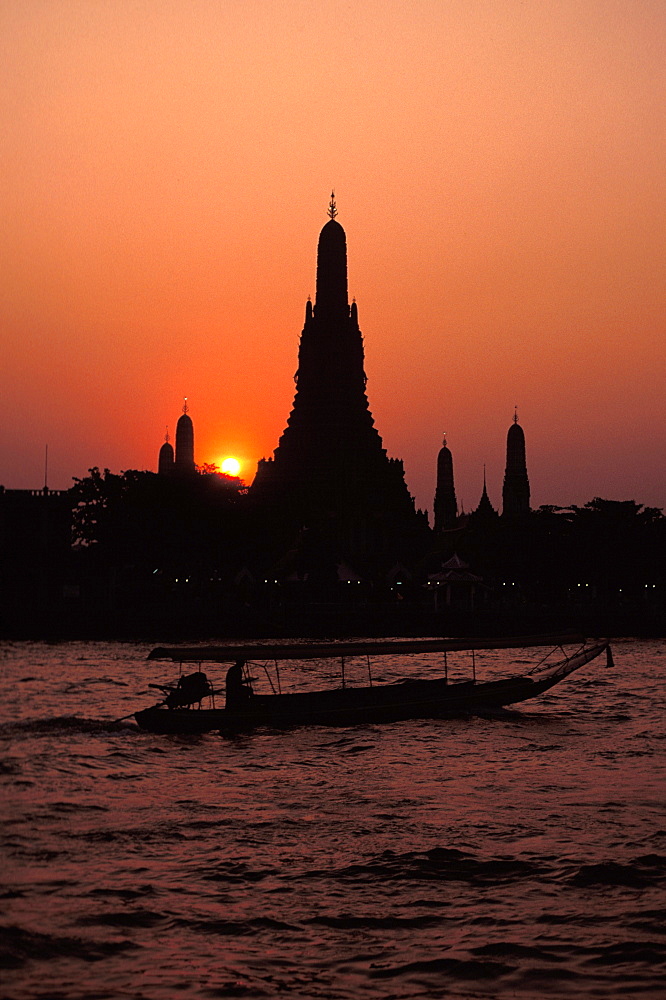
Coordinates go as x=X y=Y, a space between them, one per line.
x=230 y=466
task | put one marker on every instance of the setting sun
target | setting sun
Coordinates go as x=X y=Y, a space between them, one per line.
x=230 y=466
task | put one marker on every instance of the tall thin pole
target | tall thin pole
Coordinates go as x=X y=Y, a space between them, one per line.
x=46 y=468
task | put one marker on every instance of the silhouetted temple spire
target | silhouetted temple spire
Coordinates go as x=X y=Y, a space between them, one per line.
x=485 y=510
x=184 y=463
x=331 y=300
x=446 y=507
x=516 y=490
x=332 y=210
x=165 y=465
x=330 y=456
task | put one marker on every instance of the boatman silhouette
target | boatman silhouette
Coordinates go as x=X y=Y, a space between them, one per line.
x=238 y=692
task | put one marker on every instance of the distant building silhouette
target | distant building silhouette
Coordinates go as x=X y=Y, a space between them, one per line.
x=35 y=547
x=330 y=461
x=166 y=460
x=184 y=461
x=516 y=491
x=446 y=506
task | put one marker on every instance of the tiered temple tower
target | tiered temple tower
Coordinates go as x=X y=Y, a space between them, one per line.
x=446 y=506
x=330 y=461
x=516 y=491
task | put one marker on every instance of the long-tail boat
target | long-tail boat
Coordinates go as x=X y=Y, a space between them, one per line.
x=181 y=709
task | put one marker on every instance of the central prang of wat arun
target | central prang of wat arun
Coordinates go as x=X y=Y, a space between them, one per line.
x=330 y=470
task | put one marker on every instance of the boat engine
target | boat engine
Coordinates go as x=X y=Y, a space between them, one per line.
x=190 y=690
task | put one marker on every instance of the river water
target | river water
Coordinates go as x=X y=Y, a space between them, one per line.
x=520 y=855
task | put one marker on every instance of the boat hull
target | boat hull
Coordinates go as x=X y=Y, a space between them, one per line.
x=411 y=699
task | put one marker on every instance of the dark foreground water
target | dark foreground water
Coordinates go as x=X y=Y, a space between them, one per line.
x=515 y=856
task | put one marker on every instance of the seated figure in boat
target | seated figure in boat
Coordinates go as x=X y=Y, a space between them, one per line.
x=239 y=692
x=191 y=688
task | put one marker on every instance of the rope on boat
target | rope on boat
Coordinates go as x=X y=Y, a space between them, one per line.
x=560 y=666
x=544 y=658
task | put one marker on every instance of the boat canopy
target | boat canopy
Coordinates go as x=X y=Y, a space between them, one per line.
x=361 y=647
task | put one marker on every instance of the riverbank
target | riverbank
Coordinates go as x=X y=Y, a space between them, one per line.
x=192 y=623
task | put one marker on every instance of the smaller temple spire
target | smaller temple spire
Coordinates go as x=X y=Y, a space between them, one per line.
x=184 y=459
x=332 y=210
x=516 y=489
x=446 y=506
x=165 y=465
x=485 y=512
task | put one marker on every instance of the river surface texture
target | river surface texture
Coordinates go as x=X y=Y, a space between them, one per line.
x=514 y=856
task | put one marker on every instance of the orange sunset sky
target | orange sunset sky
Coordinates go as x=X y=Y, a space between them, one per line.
x=500 y=171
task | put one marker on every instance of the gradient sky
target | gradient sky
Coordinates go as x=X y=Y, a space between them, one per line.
x=500 y=171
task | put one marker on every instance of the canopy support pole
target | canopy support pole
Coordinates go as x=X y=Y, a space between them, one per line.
x=270 y=679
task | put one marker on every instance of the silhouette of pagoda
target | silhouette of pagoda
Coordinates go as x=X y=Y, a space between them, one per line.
x=166 y=459
x=516 y=489
x=184 y=463
x=446 y=505
x=330 y=462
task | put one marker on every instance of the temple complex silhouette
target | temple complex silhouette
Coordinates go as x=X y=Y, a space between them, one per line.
x=330 y=468
x=330 y=465
x=327 y=528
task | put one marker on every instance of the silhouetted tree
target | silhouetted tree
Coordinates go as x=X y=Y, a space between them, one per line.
x=168 y=523
x=606 y=549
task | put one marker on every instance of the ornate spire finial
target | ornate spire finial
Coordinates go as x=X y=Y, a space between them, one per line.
x=515 y=414
x=332 y=210
x=166 y=436
x=444 y=441
x=185 y=406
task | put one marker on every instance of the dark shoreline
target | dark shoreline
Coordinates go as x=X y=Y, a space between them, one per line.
x=332 y=621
